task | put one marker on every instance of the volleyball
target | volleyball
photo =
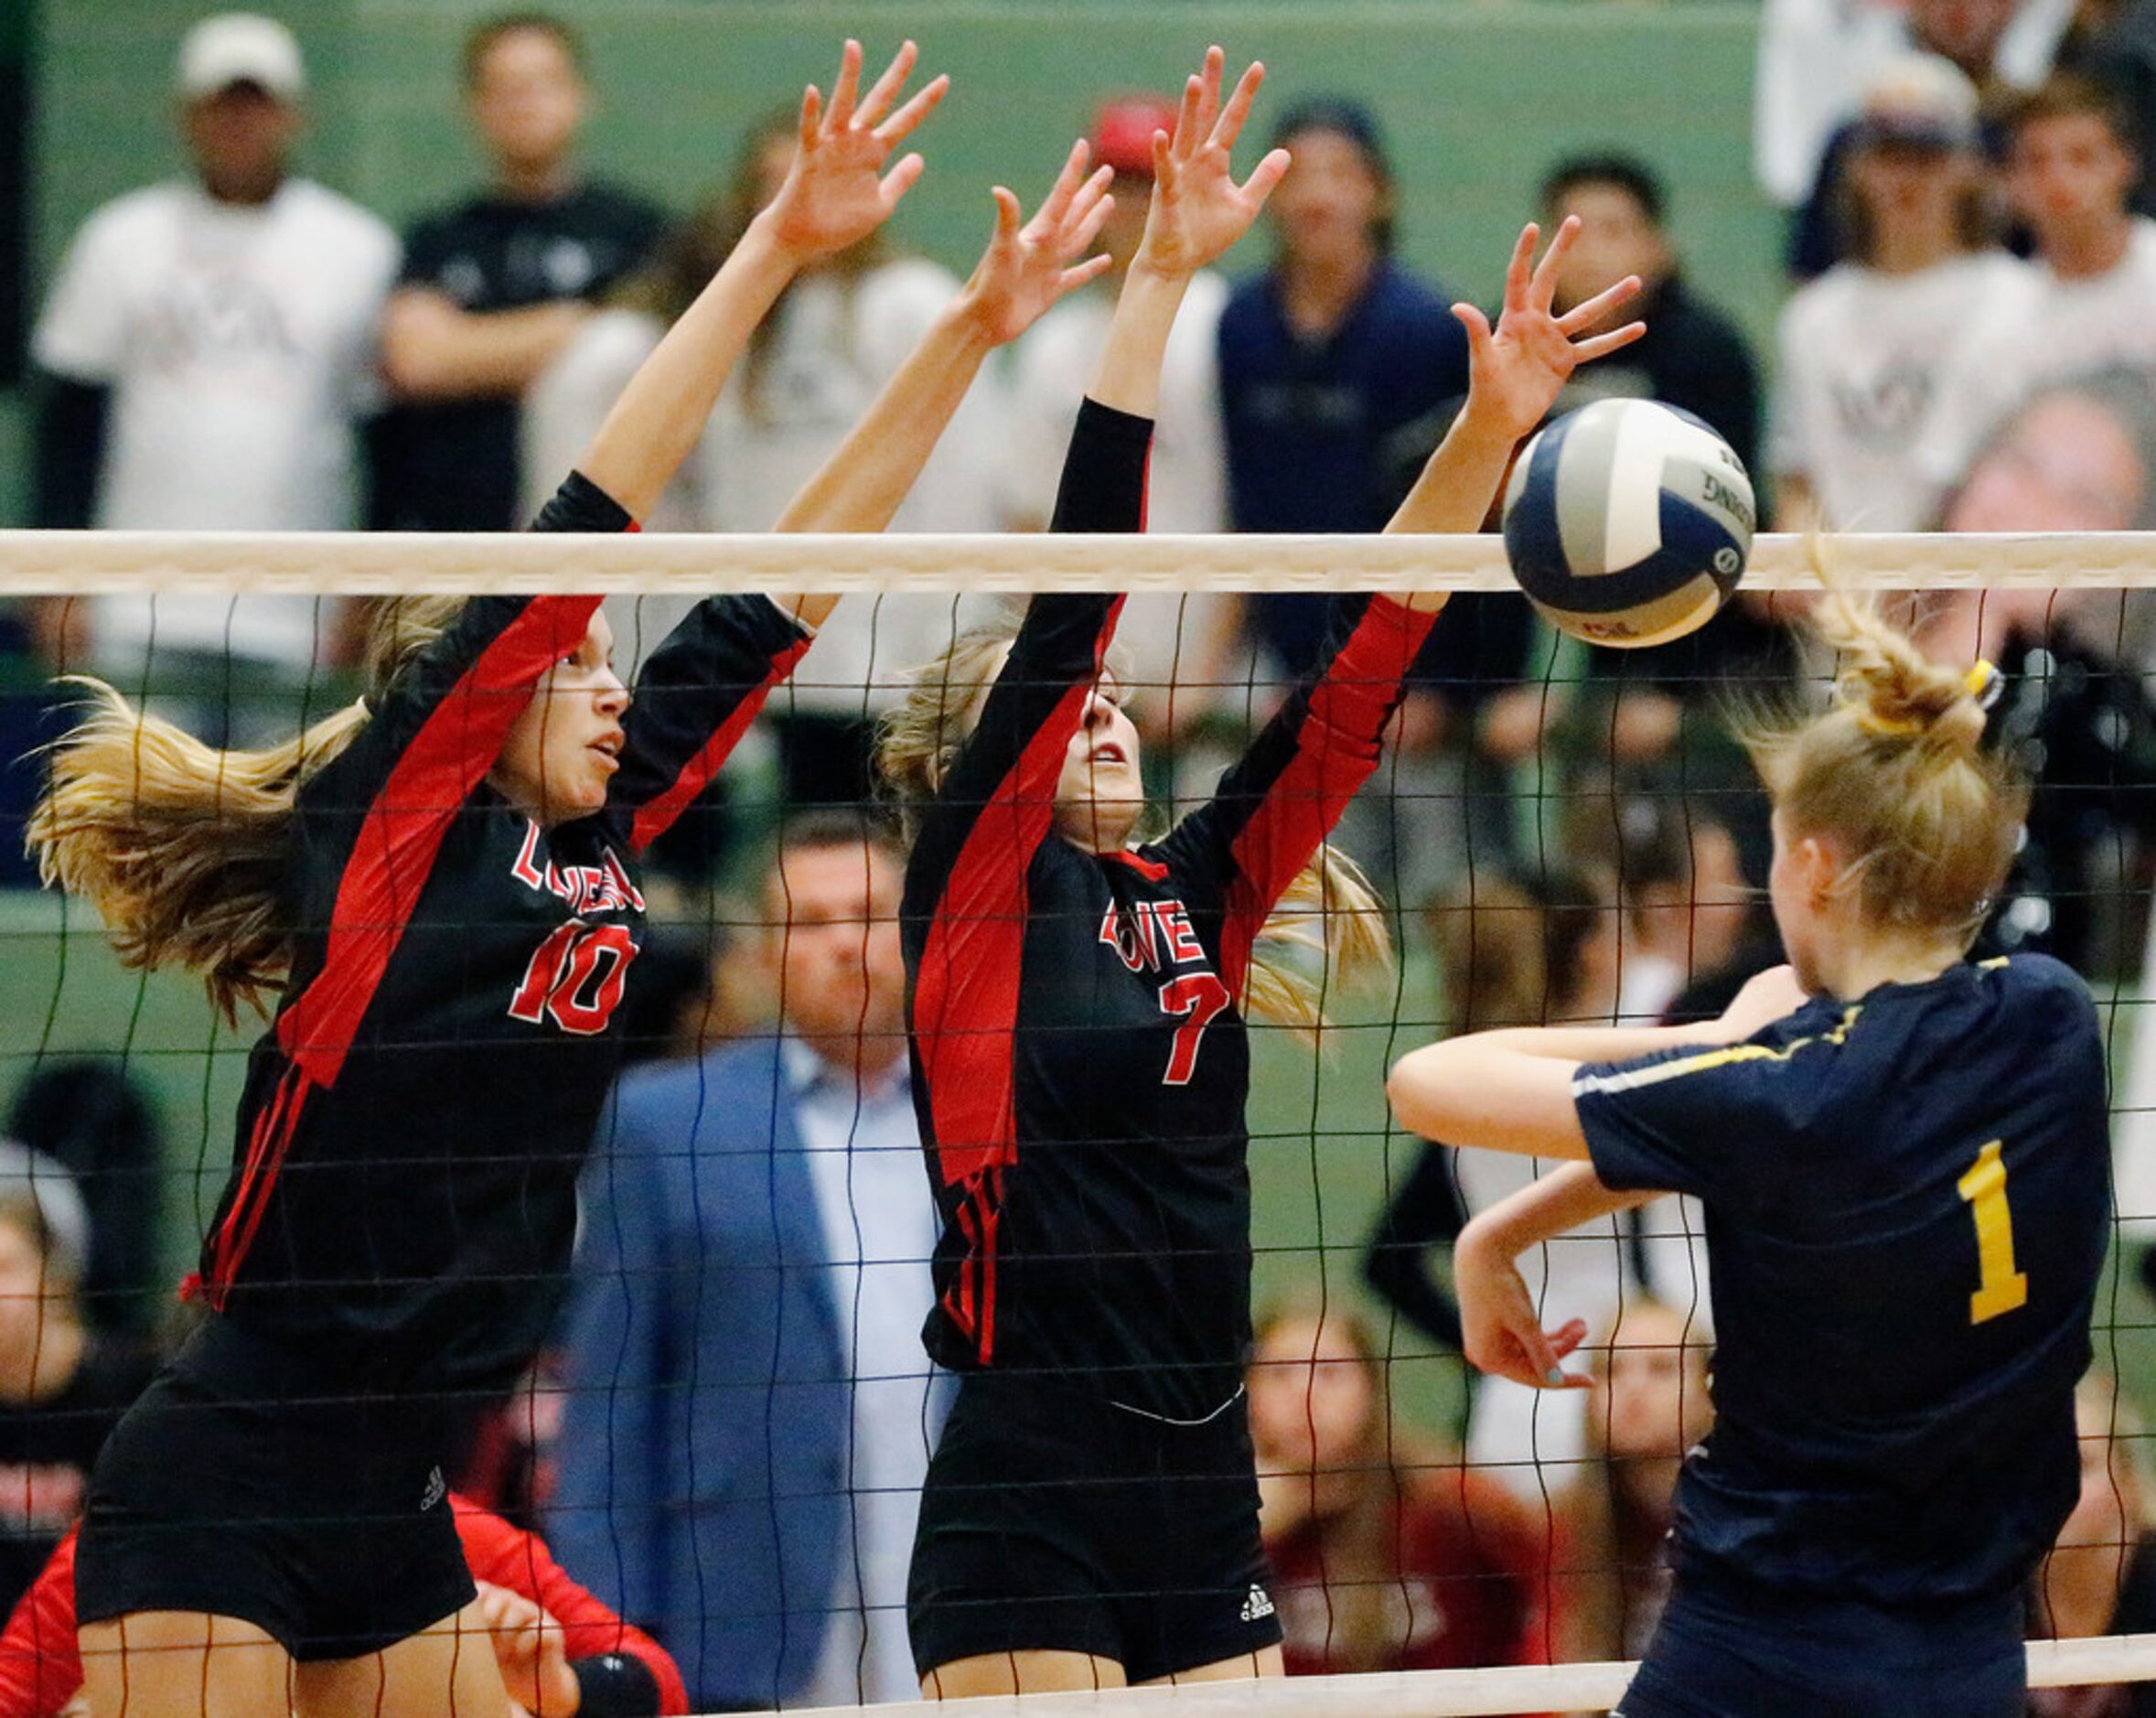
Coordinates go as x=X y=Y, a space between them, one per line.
x=1628 y=522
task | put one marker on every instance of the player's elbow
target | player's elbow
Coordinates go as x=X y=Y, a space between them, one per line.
x=1415 y=1089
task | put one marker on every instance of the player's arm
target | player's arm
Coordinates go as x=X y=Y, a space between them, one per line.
x=1512 y=1089
x=1503 y=1332
x=1025 y=269
x=836 y=192
x=433 y=348
x=1515 y=373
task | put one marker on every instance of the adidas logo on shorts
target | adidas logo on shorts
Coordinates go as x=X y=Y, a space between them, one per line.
x=437 y=1488
x=1259 y=1603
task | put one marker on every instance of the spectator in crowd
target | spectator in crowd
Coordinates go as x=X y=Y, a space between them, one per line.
x=1338 y=372
x=1647 y=1407
x=1527 y=950
x=493 y=290
x=1693 y=356
x=1386 y=1556
x=204 y=355
x=749 y=1413
x=2077 y=454
x=836 y=336
x=91 y=1115
x=62 y=1390
x=2070 y=168
x=1337 y=364
x=560 y=1649
x=1869 y=349
x=1817 y=58
x=2101 y=1578
x=1178 y=652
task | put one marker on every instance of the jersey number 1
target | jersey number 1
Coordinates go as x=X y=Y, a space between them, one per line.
x=1999 y=1287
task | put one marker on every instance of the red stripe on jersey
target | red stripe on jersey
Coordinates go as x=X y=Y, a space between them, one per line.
x=405 y=826
x=266 y=1146
x=965 y=1007
x=1335 y=751
x=656 y=816
x=1152 y=870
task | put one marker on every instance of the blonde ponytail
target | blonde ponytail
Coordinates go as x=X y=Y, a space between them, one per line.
x=1895 y=770
x=182 y=848
x=1328 y=931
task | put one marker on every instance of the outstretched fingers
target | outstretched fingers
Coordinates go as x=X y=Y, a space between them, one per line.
x=1093 y=268
x=924 y=103
x=1586 y=314
x=1602 y=345
x=1519 y=270
x=844 y=91
x=1265 y=177
x=895 y=184
x=1544 y=288
x=1057 y=205
x=884 y=91
x=1230 y=125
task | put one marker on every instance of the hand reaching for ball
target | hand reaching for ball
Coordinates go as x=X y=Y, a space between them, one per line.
x=1517 y=369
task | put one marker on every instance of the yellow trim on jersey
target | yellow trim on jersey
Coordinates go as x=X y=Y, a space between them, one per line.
x=1635 y=1078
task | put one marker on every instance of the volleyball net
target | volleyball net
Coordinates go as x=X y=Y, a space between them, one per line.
x=1552 y=832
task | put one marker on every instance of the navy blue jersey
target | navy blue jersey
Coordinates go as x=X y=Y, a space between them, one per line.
x=1080 y=1061
x=1907 y=1203
x=403 y=1191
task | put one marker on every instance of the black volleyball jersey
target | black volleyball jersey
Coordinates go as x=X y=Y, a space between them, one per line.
x=1907 y=1202
x=402 y=1193
x=1080 y=1062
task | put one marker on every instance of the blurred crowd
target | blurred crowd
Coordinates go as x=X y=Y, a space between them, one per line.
x=1969 y=344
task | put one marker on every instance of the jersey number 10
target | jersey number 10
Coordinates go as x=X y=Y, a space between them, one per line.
x=1999 y=1287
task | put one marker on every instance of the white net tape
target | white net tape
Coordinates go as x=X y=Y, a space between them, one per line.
x=81 y=564
x=1555 y=1688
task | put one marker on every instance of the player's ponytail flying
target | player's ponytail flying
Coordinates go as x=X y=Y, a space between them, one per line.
x=1326 y=930
x=1896 y=770
x=182 y=848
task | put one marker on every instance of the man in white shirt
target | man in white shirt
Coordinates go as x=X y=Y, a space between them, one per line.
x=2070 y=174
x=749 y=1412
x=207 y=350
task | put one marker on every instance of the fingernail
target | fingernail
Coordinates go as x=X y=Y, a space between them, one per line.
x=1554 y=1377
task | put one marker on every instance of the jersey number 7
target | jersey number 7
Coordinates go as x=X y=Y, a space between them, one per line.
x=1197 y=997
x=1999 y=1287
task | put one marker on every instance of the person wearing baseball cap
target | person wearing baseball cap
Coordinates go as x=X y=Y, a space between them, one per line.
x=240 y=78
x=203 y=357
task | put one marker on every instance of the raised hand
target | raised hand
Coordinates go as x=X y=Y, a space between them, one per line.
x=1026 y=269
x=838 y=190
x=1516 y=369
x=1198 y=209
x=1502 y=1334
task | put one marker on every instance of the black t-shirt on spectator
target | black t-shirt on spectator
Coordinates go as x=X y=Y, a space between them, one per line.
x=46 y=1450
x=452 y=465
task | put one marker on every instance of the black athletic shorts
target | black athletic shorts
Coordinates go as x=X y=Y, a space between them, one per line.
x=1729 y=1648
x=248 y=1483
x=1052 y=1520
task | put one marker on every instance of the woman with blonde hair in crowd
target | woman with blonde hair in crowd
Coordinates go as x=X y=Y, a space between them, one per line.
x=1389 y=1552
